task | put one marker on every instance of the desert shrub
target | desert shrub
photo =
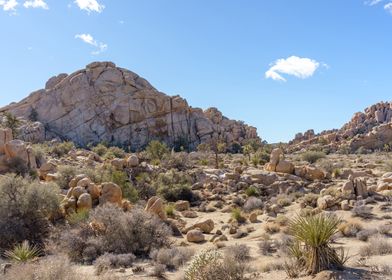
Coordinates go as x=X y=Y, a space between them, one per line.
x=48 y=268
x=271 y=228
x=310 y=199
x=252 y=191
x=172 y=258
x=114 y=152
x=253 y=203
x=23 y=252
x=156 y=150
x=377 y=245
x=65 y=174
x=174 y=186
x=109 y=261
x=362 y=211
x=179 y=161
x=176 y=192
x=211 y=265
x=240 y=252
x=312 y=156
x=266 y=247
x=385 y=229
x=116 y=232
x=39 y=152
x=61 y=149
x=364 y=234
x=283 y=200
x=281 y=220
x=100 y=149
x=18 y=166
x=78 y=217
x=350 y=228
x=169 y=209
x=158 y=271
x=25 y=209
x=272 y=266
x=236 y=214
x=313 y=236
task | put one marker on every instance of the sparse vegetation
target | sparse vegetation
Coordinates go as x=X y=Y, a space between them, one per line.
x=312 y=156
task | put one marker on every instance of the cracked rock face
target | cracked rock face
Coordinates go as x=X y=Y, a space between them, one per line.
x=111 y=104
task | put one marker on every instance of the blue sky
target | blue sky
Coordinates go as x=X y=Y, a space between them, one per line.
x=335 y=56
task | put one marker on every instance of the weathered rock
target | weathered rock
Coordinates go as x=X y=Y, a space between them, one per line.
x=182 y=205
x=111 y=193
x=253 y=217
x=325 y=202
x=285 y=167
x=155 y=206
x=105 y=103
x=78 y=191
x=133 y=161
x=84 y=202
x=205 y=226
x=262 y=177
x=195 y=236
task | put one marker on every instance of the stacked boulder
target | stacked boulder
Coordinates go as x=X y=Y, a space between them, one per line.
x=355 y=187
x=277 y=163
x=83 y=194
x=14 y=149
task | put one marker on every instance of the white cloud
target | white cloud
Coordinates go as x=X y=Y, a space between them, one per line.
x=90 y=5
x=296 y=66
x=88 y=39
x=388 y=7
x=9 y=5
x=372 y=2
x=36 y=4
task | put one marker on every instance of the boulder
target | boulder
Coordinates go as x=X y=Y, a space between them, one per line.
x=195 y=236
x=182 y=205
x=285 y=167
x=325 y=202
x=205 y=226
x=133 y=161
x=84 y=202
x=111 y=193
x=155 y=206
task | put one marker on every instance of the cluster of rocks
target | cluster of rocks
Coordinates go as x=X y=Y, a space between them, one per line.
x=83 y=194
x=12 y=149
x=105 y=103
x=369 y=130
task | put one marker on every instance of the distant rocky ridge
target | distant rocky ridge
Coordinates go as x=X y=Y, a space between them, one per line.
x=371 y=130
x=105 y=103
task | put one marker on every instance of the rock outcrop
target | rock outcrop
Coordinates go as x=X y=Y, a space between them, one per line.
x=13 y=149
x=106 y=103
x=369 y=130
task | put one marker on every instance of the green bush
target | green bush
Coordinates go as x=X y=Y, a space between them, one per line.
x=156 y=150
x=114 y=152
x=66 y=174
x=61 y=149
x=25 y=209
x=100 y=149
x=312 y=156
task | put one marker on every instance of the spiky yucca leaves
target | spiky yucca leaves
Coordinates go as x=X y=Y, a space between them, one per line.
x=313 y=242
x=23 y=252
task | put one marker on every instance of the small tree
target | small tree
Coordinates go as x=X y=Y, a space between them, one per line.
x=248 y=150
x=12 y=122
x=217 y=146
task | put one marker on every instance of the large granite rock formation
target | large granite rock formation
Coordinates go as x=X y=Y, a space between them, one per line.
x=371 y=130
x=107 y=103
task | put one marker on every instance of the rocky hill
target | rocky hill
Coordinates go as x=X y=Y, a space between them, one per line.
x=371 y=130
x=105 y=103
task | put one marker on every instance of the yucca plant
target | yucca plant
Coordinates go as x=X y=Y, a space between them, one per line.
x=313 y=250
x=23 y=252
